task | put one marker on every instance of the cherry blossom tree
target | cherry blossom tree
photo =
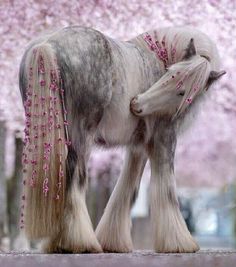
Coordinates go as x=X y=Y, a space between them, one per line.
x=207 y=154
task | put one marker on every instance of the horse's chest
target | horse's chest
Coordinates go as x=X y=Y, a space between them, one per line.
x=117 y=124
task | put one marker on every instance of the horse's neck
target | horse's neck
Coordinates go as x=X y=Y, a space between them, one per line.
x=150 y=65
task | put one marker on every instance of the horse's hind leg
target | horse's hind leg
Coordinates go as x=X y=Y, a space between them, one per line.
x=76 y=234
x=113 y=230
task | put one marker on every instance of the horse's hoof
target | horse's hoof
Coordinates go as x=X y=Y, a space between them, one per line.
x=57 y=249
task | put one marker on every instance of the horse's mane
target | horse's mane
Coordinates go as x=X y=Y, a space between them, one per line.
x=178 y=38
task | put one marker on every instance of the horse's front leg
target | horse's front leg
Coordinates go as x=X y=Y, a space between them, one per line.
x=113 y=231
x=170 y=231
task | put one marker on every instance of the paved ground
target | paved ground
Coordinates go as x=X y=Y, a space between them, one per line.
x=137 y=259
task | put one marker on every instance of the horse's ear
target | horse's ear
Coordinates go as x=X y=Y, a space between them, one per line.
x=214 y=76
x=190 y=50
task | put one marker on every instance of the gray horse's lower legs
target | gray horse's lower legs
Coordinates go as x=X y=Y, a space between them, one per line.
x=170 y=231
x=76 y=234
x=113 y=230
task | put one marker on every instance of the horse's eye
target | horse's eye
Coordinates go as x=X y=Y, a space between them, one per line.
x=181 y=93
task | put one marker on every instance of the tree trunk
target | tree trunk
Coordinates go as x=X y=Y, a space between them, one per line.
x=14 y=187
x=2 y=180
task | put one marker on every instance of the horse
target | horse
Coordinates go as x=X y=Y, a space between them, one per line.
x=80 y=88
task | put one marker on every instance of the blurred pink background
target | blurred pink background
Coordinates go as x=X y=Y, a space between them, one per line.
x=206 y=154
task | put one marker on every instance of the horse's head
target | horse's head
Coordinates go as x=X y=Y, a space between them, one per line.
x=196 y=79
x=182 y=83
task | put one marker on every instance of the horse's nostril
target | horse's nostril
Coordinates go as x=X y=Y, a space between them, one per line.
x=181 y=93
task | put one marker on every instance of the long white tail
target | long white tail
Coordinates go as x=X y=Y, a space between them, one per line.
x=45 y=149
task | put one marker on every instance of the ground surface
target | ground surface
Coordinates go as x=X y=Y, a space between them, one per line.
x=137 y=259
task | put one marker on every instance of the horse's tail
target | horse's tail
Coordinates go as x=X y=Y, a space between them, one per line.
x=46 y=140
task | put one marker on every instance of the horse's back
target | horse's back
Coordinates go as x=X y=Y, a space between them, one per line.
x=85 y=63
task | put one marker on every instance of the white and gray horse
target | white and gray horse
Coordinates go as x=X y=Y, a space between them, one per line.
x=80 y=87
